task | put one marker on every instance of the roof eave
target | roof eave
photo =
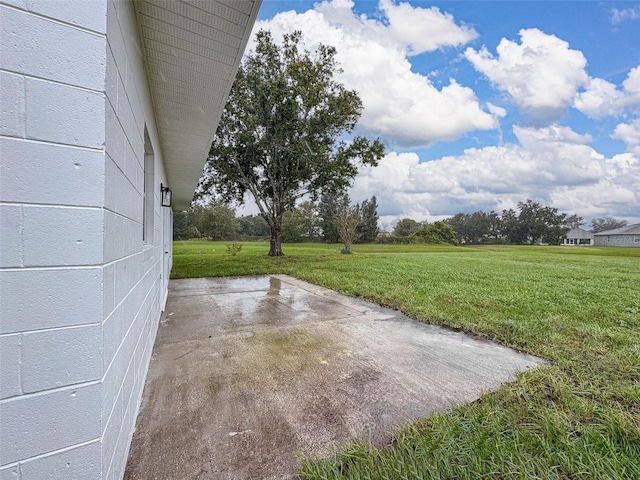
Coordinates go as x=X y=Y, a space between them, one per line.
x=192 y=51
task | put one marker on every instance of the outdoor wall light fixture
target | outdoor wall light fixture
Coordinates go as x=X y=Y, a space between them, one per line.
x=166 y=195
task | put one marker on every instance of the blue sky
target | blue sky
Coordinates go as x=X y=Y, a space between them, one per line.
x=484 y=104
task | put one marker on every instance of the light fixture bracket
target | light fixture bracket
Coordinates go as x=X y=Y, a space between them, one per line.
x=165 y=193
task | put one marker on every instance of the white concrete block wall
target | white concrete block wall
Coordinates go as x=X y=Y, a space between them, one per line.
x=132 y=269
x=80 y=292
x=51 y=209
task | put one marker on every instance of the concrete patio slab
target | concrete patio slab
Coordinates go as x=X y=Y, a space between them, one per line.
x=248 y=374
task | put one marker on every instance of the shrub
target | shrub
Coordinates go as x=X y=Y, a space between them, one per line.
x=234 y=248
x=436 y=232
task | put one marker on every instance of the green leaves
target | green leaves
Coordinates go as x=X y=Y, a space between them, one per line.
x=286 y=129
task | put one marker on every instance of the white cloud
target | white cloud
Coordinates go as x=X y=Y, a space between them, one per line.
x=617 y=193
x=601 y=98
x=424 y=29
x=554 y=165
x=632 y=82
x=399 y=104
x=496 y=111
x=620 y=15
x=541 y=74
x=631 y=86
x=629 y=133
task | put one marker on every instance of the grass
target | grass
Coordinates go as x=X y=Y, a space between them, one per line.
x=579 y=307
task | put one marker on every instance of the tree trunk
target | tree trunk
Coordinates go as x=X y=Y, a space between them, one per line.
x=275 y=249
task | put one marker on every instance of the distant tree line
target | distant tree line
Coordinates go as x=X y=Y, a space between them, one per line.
x=334 y=219
x=530 y=223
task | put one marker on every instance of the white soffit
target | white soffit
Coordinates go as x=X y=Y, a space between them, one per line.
x=192 y=50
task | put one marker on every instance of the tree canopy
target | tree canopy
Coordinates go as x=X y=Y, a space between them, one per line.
x=436 y=233
x=606 y=223
x=368 y=227
x=531 y=223
x=405 y=227
x=287 y=131
x=476 y=227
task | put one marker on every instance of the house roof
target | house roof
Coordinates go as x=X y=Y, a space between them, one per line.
x=579 y=233
x=628 y=230
x=192 y=50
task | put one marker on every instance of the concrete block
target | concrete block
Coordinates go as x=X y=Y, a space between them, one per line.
x=90 y=15
x=110 y=178
x=131 y=162
x=110 y=440
x=140 y=178
x=128 y=200
x=10 y=359
x=55 y=358
x=133 y=236
x=114 y=35
x=128 y=384
x=12 y=104
x=124 y=279
x=73 y=236
x=132 y=47
x=118 y=464
x=10 y=235
x=55 y=298
x=109 y=288
x=114 y=137
x=42 y=48
x=137 y=141
x=111 y=78
x=112 y=334
x=82 y=462
x=125 y=236
x=68 y=416
x=125 y=113
x=64 y=114
x=44 y=173
x=112 y=246
x=112 y=411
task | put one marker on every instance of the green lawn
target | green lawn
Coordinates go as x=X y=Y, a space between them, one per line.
x=576 y=306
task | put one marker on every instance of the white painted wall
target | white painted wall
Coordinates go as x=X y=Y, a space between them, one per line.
x=80 y=293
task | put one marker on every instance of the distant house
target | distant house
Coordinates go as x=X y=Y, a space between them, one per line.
x=578 y=236
x=107 y=112
x=628 y=236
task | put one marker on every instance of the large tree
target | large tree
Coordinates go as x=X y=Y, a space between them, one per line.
x=286 y=131
x=545 y=224
x=475 y=227
x=537 y=223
